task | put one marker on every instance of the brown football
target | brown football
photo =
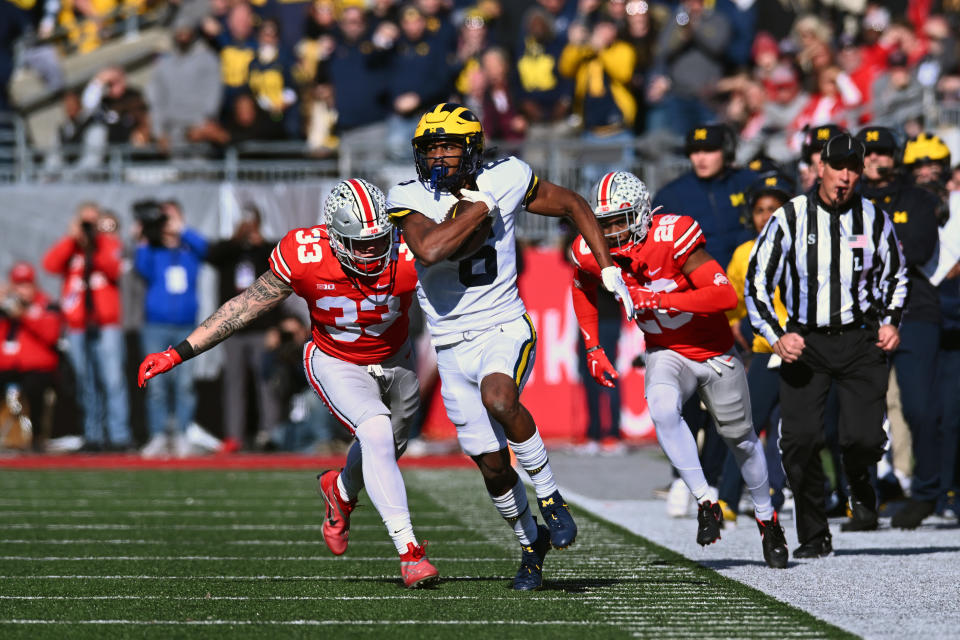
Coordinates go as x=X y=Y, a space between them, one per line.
x=475 y=240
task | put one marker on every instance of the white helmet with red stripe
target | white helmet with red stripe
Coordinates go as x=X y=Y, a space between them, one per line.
x=361 y=234
x=620 y=193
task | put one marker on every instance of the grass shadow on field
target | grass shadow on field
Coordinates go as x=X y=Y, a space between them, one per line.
x=729 y=563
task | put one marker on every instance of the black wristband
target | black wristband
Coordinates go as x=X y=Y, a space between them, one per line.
x=185 y=350
x=593 y=348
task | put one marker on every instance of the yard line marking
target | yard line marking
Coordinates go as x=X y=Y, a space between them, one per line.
x=212 y=527
x=323 y=558
x=281 y=598
x=312 y=623
x=230 y=558
x=365 y=578
x=90 y=513
x=245 y=543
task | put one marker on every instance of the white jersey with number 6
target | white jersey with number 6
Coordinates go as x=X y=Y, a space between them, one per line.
x=480 y=290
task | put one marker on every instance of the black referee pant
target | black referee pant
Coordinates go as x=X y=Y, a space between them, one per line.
x=851 y=359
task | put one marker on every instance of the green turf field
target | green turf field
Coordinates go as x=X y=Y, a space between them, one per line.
x=92 y=554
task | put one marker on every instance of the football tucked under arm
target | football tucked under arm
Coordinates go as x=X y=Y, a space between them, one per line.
x=478 y=237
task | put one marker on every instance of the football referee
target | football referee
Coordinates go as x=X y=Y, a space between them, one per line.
x=840 y=270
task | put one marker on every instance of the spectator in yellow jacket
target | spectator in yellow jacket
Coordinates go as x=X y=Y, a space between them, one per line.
x=602 y=67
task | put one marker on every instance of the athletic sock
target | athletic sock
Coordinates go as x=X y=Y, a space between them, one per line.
x=401 y=531
x=532 y=457
x=753 y=466
x=515 y=509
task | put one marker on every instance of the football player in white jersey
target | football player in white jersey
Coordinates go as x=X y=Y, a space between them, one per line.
x=484 y=339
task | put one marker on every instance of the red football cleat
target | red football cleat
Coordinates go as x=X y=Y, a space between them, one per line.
x=336 y=523
x=416 y=568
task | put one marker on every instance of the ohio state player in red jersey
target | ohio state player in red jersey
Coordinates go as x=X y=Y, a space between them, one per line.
x=358 y=280
x=680 y=293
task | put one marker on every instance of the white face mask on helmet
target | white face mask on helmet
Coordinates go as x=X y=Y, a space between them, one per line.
x=361 y=234
x=620 y=193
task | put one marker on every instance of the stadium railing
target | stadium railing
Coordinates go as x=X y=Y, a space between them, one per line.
x=562 y=161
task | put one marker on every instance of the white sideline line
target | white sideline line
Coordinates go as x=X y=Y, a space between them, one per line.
x=313 y=623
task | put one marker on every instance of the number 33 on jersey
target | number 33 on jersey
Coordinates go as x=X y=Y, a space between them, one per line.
x=356 y=319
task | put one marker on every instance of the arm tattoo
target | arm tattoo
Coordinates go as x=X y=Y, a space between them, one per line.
x=264 y=294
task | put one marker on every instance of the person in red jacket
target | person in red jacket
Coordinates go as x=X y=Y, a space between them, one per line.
x=680 y=293
x=90 y=262
x=29 y=329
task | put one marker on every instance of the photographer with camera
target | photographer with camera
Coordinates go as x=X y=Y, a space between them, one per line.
x=29 y=328
x=168 y=258
x=90 y=263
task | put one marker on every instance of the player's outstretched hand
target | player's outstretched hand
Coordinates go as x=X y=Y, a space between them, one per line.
x=646 y=299
x=599 y=366
x=613 y=282
x=157 y=363
x=479 y=196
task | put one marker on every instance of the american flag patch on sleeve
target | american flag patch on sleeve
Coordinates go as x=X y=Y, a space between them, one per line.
x=857 y=242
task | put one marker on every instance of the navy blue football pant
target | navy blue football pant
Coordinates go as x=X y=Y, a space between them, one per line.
x=914 y=363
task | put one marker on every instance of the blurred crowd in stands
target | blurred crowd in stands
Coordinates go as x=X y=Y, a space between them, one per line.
x=358 y=72
x=70 y=360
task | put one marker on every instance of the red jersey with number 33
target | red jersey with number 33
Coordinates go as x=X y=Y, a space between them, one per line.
x=359 y=320
x=657 y=264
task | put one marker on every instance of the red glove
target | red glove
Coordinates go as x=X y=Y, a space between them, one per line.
x=646 y=299
x=599 y=367
x=157 y=363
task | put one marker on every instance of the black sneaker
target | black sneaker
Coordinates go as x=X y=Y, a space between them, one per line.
x=709 y=520
x=912 y=514
x=816 y=548
x=530 y=574
x=774 y=542
x=862 y=518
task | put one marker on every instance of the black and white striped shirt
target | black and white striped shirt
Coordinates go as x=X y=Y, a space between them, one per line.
x=834 y=269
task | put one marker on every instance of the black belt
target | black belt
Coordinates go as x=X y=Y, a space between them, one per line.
x=827 y=331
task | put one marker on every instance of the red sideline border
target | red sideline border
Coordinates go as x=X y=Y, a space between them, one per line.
x=252 y=462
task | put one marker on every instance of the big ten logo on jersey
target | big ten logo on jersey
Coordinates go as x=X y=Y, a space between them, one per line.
x=349 y=319
x=310 y=248
x=660 y=320
x=664 y=230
